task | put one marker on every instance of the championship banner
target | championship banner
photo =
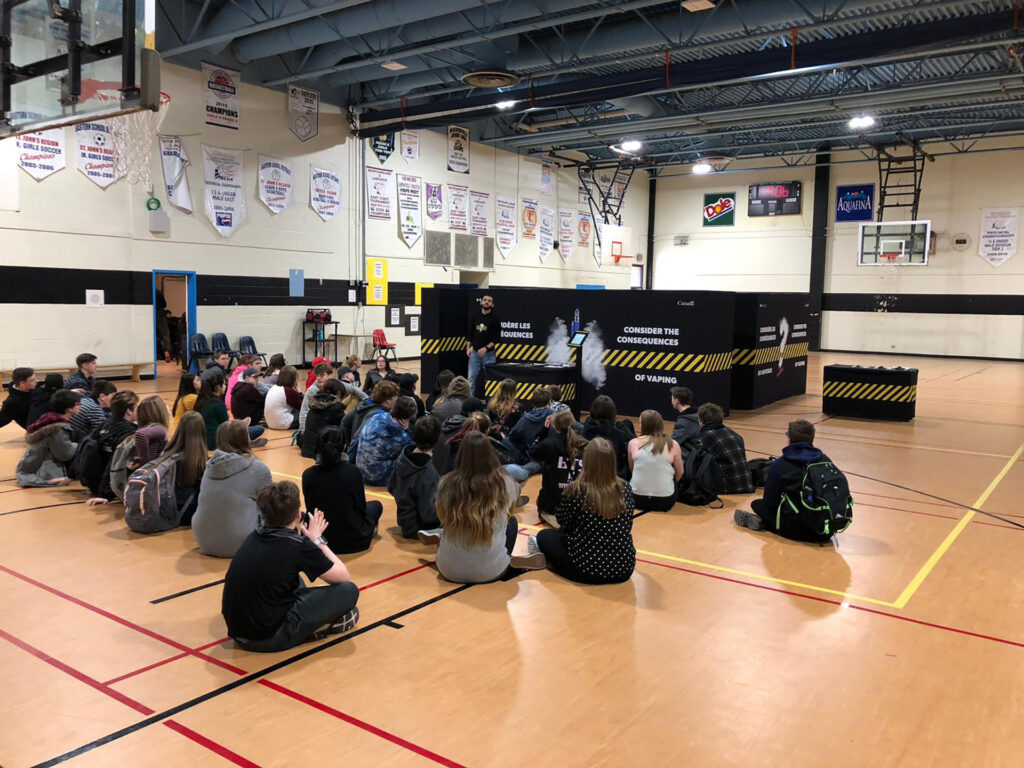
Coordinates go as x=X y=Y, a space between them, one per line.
x=458 y=207
x=458 y=149
x=222 y=102
x=383 y=146
x=584 y=229
x=435 y=201
x=174 y=160
x=303 y=112
x=95 y=151
x=505 y=224
x=224 y=193
x=529 y=218
x=275 y=183
x=380 y=189
x=410 y=208
x=547 y=175
x=547 y=232
x=324 y=191
x=998 y=239
x=41 y=154
x=566 y=232
x=410 y=146
x=479 y=219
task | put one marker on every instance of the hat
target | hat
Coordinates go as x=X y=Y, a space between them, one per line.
x=250 y=372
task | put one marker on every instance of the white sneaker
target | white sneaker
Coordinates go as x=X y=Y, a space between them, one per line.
x=548 y=518
x=531 y=545
x=430 y=538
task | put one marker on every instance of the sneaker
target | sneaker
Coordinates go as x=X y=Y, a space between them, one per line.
x=431 y=538
x=548 y=518
x=522 y=501
x=342 y=625
x=749 y=520
x=532 y=546
x=259 y=442
x=535 y=561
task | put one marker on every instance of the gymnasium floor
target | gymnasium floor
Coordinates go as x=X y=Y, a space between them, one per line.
x=904 y=646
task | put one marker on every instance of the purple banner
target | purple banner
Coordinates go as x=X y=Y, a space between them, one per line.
x=435 y=203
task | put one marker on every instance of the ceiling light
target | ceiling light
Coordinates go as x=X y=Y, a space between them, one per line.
x=394 y=66
x=698 y=5
x=631 y=145
x=701 y=167
x=859 y=122
x=505 y=104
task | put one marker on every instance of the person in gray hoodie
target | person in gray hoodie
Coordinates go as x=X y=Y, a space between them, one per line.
x=458 y=391
x=227 y=510
x=414 y=481
x=50 y=446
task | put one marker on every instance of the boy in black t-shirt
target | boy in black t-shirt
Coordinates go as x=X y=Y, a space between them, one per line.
x=265 y=606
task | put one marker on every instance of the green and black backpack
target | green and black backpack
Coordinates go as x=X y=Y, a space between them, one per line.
x=823 y=505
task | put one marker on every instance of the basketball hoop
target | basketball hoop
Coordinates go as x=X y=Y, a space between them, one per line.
x=134 y=135
x=889 y=256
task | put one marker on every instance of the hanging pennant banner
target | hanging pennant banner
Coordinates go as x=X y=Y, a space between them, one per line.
x=174 y=160
x=222 y=102
x=435 y=201
x=547 y=176
x=584 y=229
x=458 y=149
x=479 y=219
x=458 y=207
x=224 y=192
x=547 y=232
x=505 y=224
x=383 y=146
x=274 y=182
x=529 y=218
x=41 y=153
x=410 y=146
x=380 y=189
x=96 y=153
x=303 y=112
x=998 y=240
x=324 y=191
x=410 y=208
x=566 y=232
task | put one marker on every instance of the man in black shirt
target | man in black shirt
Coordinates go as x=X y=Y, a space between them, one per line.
x=19 y=398
x=481 y=339
x=265 y=606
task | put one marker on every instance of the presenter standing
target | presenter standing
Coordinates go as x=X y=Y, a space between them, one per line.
x=482 y=337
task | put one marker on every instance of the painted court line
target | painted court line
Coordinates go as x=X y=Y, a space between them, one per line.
x=184 y=592
x=45 y=506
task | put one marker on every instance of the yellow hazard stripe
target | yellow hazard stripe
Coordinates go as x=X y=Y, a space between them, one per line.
x=865 y=390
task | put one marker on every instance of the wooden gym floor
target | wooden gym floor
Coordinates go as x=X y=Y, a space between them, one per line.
x=904 y=646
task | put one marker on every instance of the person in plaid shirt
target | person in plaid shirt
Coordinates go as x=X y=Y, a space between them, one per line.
x=727 y=448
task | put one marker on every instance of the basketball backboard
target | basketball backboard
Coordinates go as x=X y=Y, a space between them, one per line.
x=896 y=243
x=112 y=70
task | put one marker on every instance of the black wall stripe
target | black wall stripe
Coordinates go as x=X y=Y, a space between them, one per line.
x=925 y=303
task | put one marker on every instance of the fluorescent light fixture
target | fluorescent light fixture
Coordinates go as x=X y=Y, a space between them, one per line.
x=859 y=122
x=631 y=145
x=698 y=5
x=505 y=104
x=701 y=167
x=394 y=66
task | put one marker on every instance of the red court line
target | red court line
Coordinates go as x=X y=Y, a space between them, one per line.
x=154 y=665
x=213 y=746
x=211 y=645
x=387 y=736
x=395 y=576
x=851 y=606
x=12 y=490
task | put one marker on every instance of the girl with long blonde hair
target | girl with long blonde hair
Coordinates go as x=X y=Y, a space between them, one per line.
x=656 y=463
x=188 y=447
x=503 y=409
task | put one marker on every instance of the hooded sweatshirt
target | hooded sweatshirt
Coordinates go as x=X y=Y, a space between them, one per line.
x=378 y=445
x=619 y=439
x=353 y=422
x=557 y=471
x=246 y=401
x=49 y=448
x=407 y=388
x=15 y=407
x=526 y=433
x=227 y=511
x=39 y=403
x=786 y=473
x=414 y=486
x=687 y=430
x=324 y=411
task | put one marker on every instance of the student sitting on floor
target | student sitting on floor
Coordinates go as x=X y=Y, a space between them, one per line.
x=188 y=390
x=556 y=399
x=335 y=486
x=19 y=398
x=274 y=368
x=218 y=366
x=414 y=481
x=353 y=363
x=247 y=400
x=321 y=373
x=503 y=409
x=326 y=410
x=407 y=388
x=474 y=504
x=93 y=409
x=602 y=421
x=560 y=456
x=440 y=391
x=728 y=449
x=151 y=433
x=381 y=372
x=39 y=402
x=226 y=511
x=281 y=408
x=594 y=541
x=50 y=445
x=455 y=430
x=188 y=447
x=108 y=436
x=530 y=429
x=383 y=398
x=780 y=510
x=244 y=363
x=265 y=606
x=81 y=381
x=656 y=464
x=687 y=428
x=457 y=392
x=381 y=440
x=210 y=404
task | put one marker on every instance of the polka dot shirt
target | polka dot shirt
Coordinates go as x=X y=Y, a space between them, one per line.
x=598 y=547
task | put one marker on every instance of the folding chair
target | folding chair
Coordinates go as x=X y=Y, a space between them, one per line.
x=220 y=344
x=198 y=347
x=246 y=346
x=381 y=345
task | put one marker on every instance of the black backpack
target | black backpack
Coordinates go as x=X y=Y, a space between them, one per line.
x=702 y=479
x=823 y=505
x=88 y=463
x=759 y=470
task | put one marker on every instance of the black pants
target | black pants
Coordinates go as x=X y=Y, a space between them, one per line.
x=653 y=503
x=552 y=542
x=314 y=608
x=787 y=527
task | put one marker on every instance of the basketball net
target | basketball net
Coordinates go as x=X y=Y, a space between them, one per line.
x=890 y=284
x=134 y=135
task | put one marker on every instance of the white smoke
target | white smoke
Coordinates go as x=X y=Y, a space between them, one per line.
x=558 y=343
x=593 y=354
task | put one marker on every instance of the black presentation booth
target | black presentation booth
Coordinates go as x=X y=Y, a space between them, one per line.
x=641 y=344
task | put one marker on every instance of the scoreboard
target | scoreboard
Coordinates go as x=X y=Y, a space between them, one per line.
x=774 y=199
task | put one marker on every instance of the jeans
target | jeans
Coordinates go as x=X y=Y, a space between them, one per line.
x=255 y=432
x=314 y=607
x=476 y=363
x=522 y=473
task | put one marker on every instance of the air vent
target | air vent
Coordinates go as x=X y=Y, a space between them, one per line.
x=490 y=79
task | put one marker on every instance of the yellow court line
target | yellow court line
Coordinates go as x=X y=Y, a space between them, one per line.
x=932 y=561
x=368 y=493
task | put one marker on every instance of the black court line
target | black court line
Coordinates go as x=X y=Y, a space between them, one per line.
x=160 y=716
x=394 y=625
x=45 y=506
x=184 y=592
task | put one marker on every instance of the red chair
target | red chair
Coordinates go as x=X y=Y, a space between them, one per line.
x=381 y=345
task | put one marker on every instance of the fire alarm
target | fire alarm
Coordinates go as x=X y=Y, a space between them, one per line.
x=960 y=242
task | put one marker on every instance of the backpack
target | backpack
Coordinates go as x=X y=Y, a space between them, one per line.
x=88 y=462
x=702 y=479
x=124 y=454
x=759 y=470
x=823 y=504
x=150 y=500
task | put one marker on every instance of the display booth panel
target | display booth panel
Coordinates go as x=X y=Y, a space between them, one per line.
x=769 y=360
